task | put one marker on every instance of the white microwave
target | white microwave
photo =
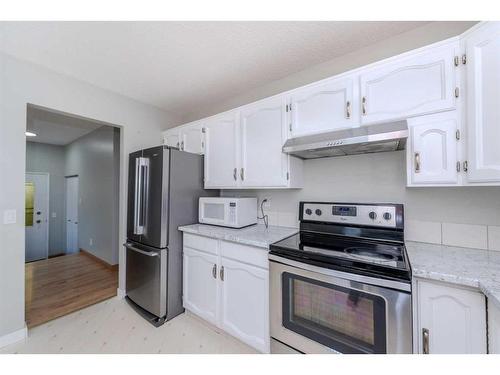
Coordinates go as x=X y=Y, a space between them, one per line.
x=228 y=212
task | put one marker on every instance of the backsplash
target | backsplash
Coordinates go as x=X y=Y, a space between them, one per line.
x=457 y=216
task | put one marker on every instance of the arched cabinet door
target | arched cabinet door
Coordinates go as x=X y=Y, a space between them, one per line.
x=432 y=150
x=450 y=320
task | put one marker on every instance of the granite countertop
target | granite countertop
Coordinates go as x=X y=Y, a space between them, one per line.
x=457 y=265
x=255 y=235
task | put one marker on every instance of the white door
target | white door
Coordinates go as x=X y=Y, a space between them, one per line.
x=200 y=273
x=221 y=147
x=432 y=151
x=263 y=133
x=171 y=138
x=72 y=215
x=482 y=49
x=414 y=85
x=36 y=218
x=192 y=139
x=244 y=311
x=327 y=106
x=451 y=320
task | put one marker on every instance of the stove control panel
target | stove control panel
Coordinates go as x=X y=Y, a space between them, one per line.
x=354 y=214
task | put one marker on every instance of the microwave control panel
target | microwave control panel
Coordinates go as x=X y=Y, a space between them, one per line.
x=232 y=212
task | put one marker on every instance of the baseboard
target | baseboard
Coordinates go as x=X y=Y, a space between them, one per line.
x=13 y=337
x=120 y=293
x=113 y=267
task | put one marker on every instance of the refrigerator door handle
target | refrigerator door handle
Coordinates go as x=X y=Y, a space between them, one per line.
x=140 y=169
x=148 y=253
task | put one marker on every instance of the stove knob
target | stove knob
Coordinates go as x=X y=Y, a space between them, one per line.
x=308 y=211
x=387 y=216
x=372 y=215
x=318 y=212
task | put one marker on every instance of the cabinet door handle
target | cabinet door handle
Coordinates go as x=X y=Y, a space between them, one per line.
x=221 y=273
x=348 y=109
x=182 y=146
x=214 y=271
x=242 y=174
x=417 y=162
x=458 y=166
x=425 y=340
x=363 y=105
x=466 y=166
x=235 y=174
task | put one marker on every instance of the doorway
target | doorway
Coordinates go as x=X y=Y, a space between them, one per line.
x=36 y=192
x=72 y=215
x=72 y=208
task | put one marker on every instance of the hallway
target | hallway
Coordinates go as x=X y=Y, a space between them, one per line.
x=61 y=285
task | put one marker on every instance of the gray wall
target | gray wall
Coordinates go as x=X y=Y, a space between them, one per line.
x=49 y=159
x=381 y=178
x=94 y=159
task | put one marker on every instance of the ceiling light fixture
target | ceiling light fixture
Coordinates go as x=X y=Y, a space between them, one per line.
x=30 y=134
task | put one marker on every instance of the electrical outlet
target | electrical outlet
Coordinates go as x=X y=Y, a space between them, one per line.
x=267 y=203
x=91 y=241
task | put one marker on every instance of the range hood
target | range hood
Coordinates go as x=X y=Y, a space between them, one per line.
x=363 y=140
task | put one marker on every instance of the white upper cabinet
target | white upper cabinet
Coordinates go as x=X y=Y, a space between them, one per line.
x=482 y=48
x=192 y=138
x=450 y=320
x=432 y=150
x=409 y=86
x=171 y=137
x=221 y=159
x=326 y=106
x=263 y=133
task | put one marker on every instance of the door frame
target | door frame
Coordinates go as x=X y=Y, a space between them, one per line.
x=48 y=209
x=66 y=209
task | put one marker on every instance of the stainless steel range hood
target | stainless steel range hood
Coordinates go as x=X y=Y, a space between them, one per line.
x=363 y=140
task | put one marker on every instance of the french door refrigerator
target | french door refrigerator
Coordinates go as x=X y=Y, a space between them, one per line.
x=164 y=185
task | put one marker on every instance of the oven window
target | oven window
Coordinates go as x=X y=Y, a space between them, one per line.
x=214 y=211
x=346 y=320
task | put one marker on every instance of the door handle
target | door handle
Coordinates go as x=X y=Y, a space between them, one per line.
x=38 y=213
x=417 y=162
x=425 y=340
x=214 y=271
x=38 y=221
x=221 y=273
x=235 y=174
x=363 y=105
x=348 y=110
x=242 y=174
x=148 y=253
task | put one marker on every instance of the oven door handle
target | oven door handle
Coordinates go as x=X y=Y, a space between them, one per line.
x=398 y=285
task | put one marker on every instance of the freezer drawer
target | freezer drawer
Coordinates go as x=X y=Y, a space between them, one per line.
x=146 y=283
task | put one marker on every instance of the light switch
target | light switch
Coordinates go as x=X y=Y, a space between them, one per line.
x=9 y=217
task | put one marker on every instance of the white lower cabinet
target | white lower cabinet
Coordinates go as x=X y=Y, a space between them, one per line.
x=227 y=284
x=449 y=319
x=244 y=303
x=493 y=328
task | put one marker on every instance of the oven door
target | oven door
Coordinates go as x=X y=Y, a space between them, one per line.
x=318 y=310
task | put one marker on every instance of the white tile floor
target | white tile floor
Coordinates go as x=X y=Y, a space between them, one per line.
x=113 y=327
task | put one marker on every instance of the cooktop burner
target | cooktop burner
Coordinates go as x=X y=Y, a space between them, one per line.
x=327 y=239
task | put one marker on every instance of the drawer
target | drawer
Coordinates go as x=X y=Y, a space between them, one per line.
x=255 y=256
x=200 y=243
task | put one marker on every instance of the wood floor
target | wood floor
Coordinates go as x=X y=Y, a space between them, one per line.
x=61 y=285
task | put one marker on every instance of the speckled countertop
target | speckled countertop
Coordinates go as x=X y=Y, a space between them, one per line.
x=463 y=266
x=255 y=235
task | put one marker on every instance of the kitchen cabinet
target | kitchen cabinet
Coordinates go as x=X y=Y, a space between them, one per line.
x=482 y=54
x=263 y=133
x=432 y=150
x=221 y=158
x=171 y=137
x=415 y=84
x=449 y=319
x=200 y=283
x=192 y=138
x=227 y=284
x=244 y=294
x=493 y=328
x=243 y=149
x=330 y=105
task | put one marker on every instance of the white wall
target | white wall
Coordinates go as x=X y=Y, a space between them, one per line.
x=22 y=83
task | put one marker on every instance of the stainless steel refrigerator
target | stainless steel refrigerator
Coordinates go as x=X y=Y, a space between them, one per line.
x=164 y=185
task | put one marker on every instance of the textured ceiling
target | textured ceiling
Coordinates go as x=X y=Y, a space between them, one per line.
x=180 y=65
